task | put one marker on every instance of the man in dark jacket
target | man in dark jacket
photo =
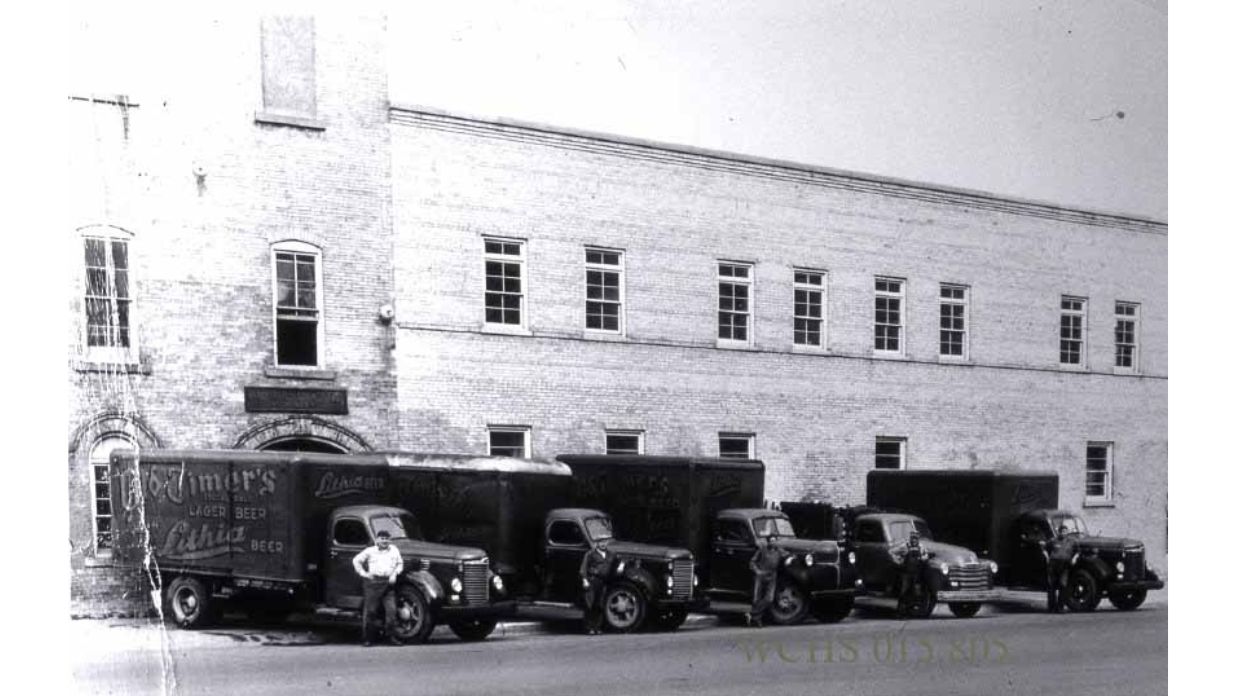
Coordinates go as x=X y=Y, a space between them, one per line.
x=914 y=590
x=764 y=564
x=1061 y=552
x=594 y=570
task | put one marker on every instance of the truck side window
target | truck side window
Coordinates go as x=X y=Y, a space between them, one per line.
x=351 y=533
x=565 y=533
x=1033 y=531
x=732 y=531
x=869 y=530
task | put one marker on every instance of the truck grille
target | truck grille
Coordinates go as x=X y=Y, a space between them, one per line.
x=971 y=576
x=683 y=572
x=476 y=581
x=1134 y=564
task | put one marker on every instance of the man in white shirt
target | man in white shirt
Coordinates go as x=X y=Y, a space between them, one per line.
x=379 y=566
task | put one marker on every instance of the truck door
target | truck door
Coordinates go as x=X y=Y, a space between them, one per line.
x=348 y=536
x=732 y=548
x=1029 y=565
x=565 y=546
x=871 y=550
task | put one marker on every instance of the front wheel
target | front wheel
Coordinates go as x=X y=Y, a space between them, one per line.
x=625 y=607
x=474 y=629
x=1082 y=591
x=789 y=605
x=189 y=602
x=1127 y=600
x=917 y=605
x=833 y=609
x=413 y=622
x=964 y=610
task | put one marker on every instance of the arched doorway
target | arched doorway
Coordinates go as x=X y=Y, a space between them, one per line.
x=302 y=444
x=301 y=434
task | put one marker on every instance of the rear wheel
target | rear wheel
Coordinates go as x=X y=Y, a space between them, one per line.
x=474 y=629
x=833 y=609
x=189 y=603
x=1127 y=600
x=789 y=605
x=1082 y=591
x=964 y=610
x=413 y=623
x=625 y=607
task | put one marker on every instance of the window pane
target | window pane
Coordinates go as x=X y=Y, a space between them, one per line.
x=297 y=342
x=735 y=447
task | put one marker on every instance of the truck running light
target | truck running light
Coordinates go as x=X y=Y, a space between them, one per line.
x=851 y=558
x=622 y=566
x=1119 y=566
x=498 y=584
x=456 y=585
x=809 y=560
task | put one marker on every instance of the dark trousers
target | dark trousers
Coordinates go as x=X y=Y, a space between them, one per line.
x=1057 y=582
x=379 y=595
x=594 y=604
x=763 y=595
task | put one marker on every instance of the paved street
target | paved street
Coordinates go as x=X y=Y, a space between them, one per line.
x=1003 y=651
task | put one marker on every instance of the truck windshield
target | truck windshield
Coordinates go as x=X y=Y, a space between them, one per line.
x=399 y=526
x=899 y=530
x=770 y=526
x=1069 y=523
x=599 y=528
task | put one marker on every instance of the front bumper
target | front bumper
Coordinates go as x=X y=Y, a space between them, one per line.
x=1126 y=585
x=832 y=594
x=967 y=595
x=496 y=609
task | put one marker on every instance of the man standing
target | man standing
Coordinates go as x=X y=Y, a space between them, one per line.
x=594 y=570
x=1060 y=551
x=764 y=564
x=912 y=558
x=379 y=566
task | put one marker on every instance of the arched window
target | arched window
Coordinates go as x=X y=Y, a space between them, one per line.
x=101 y=489
x=107 y=289
x=298 y=304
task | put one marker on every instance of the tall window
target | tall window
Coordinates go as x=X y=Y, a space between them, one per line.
x=624 y=442
x=734 y=303
x=108 y=298
x=509 y=441
x=1098 y=472
x=736 y=446
x=890 y=453
x=603 y=307
x=1072 y=330
x=809 y=308
x=101 y=489
x=289 y=75
x=1126 y=335
x=953 y=335
x=889 y=293
x=504 y=287
x=298 y=305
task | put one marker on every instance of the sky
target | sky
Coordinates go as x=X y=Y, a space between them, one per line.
x=1059 y=101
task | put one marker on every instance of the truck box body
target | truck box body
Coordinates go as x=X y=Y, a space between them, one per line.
x=235 y=513
x=666 y=500
x=974 y=509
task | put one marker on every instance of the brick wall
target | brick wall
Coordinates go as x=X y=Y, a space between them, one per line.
x=815 y=416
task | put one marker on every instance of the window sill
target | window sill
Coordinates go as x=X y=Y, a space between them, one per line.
x=886 y=355
x=734 y=345
x=597 y=335
x=129 y=368
x=274 y=119
x=1073 y=368
x=1098 y=503
x=953 y=360
x=1125 y=371
x=300 y=373
x=808 y=349
x=505 y=329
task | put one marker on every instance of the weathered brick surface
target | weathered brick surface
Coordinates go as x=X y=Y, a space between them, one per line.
x=815 y=416
x=201 y=249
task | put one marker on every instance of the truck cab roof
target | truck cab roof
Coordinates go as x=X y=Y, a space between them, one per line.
x=647 y=460
x=574 y=514
x=749 y=514
x=475 y=463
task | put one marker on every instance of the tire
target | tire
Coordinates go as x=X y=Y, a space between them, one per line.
x=624 y=607
x=1127 y=600
x=918 y=608
x=413 y=619
x=833 y=609
x=189 y=603
x=474 y=629
x=790 y=605
x=671 y=619
x=964 y=610
x=1082 y=591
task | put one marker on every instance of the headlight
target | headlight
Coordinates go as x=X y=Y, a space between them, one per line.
x=622 y=565
x=943 y=570
x=498 y=584
x=695 y=580
x=456 y=585
x=669 y=581
x=787 y=560
x=809 y=560
x=1119 y=566
x=852 y=558
x=994 y=568
x=670 y=569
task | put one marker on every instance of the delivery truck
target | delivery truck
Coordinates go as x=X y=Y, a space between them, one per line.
x=523 y=512
x=274 y=532
x=714 y=508
x=1009 y=516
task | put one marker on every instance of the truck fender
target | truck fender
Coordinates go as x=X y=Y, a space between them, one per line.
x=427 y=584
x=642 y=579
x=1097 y=567
x=796 y=573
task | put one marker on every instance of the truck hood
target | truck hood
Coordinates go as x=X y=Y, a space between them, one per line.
x=813 y=546
x=634 y=549
x=947 y=553
x=415 y=548
x=1097 y=543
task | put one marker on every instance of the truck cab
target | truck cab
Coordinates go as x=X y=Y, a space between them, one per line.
x=955 y=575
x=651 y=584
x=816 y=577
x=1104 y=566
